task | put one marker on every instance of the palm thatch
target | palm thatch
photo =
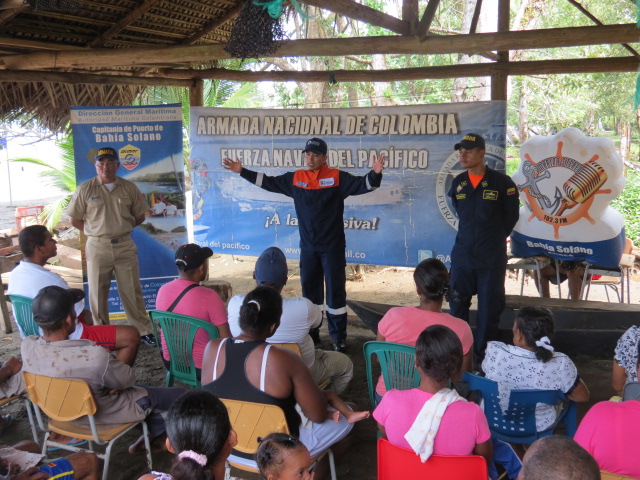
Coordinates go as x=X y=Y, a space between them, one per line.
x=100 y=25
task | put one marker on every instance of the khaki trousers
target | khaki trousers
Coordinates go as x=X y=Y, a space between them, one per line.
x=333 y=366
x=105 y=258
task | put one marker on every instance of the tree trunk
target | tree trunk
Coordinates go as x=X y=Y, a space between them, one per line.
x=523 y=112
x=625 y=140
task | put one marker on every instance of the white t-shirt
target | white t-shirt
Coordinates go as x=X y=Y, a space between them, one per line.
x=298 y=316
x=158 y=208
x=27 y=279
x=518 y=368
x=171 y=210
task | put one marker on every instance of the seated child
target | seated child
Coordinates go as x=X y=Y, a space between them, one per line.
x=283 y=457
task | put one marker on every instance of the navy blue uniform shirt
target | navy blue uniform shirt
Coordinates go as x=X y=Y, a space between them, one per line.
x=486 y=215
x=319 y=201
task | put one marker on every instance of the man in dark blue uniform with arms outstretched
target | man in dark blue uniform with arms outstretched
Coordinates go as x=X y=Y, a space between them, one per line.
x=487 y=205
x=318 y=194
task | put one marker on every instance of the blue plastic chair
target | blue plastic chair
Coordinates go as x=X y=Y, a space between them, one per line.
x=23 y=314
x=518 y=423
x=179 y=331
x=397 y=363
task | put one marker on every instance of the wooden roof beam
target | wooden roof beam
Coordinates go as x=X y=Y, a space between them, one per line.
x=189 y=78
x=27 y=44
x=124 y=22
x=427 y=18
x=214 y=24
x=86 y=78
x=595 y=20
x=410 y=14
x=540 y=67
x=470 y=44
x=7 y=15
x=357 y=11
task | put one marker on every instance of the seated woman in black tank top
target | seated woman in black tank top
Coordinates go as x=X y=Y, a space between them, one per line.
x=247 y=368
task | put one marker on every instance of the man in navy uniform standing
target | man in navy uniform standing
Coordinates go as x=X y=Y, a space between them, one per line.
x=318 y=194
x=487 y=205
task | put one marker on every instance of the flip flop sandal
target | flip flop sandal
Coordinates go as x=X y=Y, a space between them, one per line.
x=74 y=442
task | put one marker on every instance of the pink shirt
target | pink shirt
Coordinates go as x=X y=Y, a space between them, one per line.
x=609 y=432
x=463 y=424
x=405 y=324
x=200 y=302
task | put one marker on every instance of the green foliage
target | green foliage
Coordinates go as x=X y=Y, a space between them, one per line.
x=628 y=204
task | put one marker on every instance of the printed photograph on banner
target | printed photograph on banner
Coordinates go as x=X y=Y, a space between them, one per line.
x=148 y=142
x=396 y=224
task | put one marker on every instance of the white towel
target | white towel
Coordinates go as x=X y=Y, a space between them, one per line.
x=425 y=427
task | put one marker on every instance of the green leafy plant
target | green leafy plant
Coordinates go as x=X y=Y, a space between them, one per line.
x=63 y=178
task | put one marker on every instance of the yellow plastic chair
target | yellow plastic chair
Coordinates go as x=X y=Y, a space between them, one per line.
x=64 y=400
x=257 y=420
x=614 y=476
x=295 y=348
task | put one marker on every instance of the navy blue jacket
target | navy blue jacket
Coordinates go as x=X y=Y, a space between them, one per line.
x=486 y=215
x=319 y=201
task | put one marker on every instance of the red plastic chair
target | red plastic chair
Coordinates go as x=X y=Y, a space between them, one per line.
x=397 y=463
x=26 y=216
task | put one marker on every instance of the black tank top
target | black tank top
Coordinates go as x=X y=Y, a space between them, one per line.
x=234 y=385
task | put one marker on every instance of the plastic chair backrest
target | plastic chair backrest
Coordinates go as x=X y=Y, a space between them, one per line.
x=614 y=476
x=252 y=420
x=294 y=347
x=61 y=399
x=178 y=331
x=631 y=391
x=397 y=363
x=397 y=463
x=518 y=423
x=154 y=315
x=23 y=314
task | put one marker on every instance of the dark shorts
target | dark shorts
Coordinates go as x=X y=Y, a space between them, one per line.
x=103 y=335
x=59 y=469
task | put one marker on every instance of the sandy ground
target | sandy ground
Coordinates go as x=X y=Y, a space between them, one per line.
x=378 y=284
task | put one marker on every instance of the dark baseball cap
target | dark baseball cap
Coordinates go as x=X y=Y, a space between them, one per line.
x=190 y=256
x=271 y=267
x=469 y=141
x=106 y=152
x=316 y=145
x=54 y=303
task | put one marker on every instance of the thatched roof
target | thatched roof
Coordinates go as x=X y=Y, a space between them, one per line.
x=106 y=24
x=106 y=52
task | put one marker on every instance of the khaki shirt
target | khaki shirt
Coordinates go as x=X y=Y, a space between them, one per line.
x=107 y=213
x=84 y=360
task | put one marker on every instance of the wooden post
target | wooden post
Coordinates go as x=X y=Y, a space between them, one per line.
x=196 y=94
x=499 y=77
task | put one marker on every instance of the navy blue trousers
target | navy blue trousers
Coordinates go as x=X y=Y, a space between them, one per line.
x=488 y=284
x=318 y=269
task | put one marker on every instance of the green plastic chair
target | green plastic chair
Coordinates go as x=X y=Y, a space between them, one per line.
x=397 y=363
x=179 y=332
x=23 y=314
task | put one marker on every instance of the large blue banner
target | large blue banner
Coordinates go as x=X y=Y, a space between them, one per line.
x=407 y=219
x=149 y=142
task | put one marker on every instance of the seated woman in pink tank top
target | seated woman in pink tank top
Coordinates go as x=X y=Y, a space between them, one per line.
x=404 y=324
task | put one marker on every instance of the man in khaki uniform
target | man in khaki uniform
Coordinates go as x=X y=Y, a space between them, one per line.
x=107 y=208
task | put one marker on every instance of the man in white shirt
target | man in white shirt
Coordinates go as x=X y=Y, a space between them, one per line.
x=38 y=246
x=298 y=316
